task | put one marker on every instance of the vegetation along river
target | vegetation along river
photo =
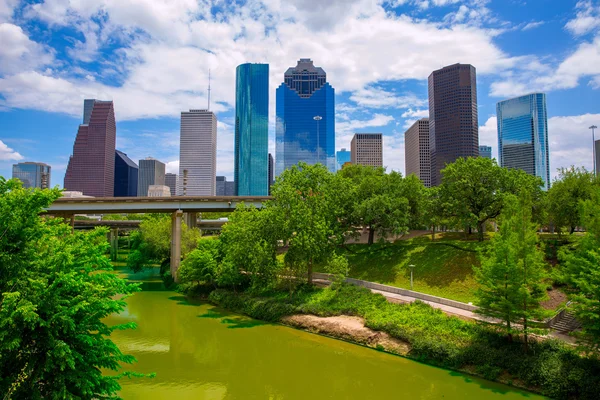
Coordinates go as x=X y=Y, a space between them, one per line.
x=199 y=351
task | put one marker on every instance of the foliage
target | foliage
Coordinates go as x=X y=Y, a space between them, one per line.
x=198 y=266
x=572 y=186
x=56 y=289
x=511 y=275
x=582 y=272
x=473 y=190
x=338 y=267
x=551 y=367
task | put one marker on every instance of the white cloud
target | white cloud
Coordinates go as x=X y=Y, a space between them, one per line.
x=375 y=97
x=587 y=18
x=17 y=52
x=6 y=9
x=488 y=135
x=346 y=127
x=532 y=25
x=8 y=154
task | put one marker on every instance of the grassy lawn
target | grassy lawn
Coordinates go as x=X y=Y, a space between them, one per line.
x=442 y=268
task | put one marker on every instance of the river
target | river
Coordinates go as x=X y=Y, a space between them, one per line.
x=199 y=351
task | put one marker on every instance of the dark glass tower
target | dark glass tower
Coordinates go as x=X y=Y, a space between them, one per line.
x=251 y=130
x=523 y=135
x=305 y=125
x=453 y=126
x=91 y=168
x=126 y=176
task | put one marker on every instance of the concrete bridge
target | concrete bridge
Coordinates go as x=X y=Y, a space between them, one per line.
x=176 y=206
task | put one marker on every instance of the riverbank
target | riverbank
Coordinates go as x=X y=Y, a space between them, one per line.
x=424 y=334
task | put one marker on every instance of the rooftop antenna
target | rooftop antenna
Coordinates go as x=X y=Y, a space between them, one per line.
x=208 y=90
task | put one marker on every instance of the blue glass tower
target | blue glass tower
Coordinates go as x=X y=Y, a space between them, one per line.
x=126 y=176
x=523 y=135
x=342 y=156
x=305 y=125
x=251 y=166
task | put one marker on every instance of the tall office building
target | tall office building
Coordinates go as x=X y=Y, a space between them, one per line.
x=251 y=130
x=453 y=125
x=341 y=157
x=523 y=135
x=224 y=187
x=271 y=172
x=171 y=182
x=367 y=149
x=485 y=151
x=597 y=157
x=151 y=172
x=126 y=176
x=305 y=124
x=416 y=151
x=197 y=153
x=32 y=174
x=91 y=168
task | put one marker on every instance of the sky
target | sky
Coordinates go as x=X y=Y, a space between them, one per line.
x=152 y=58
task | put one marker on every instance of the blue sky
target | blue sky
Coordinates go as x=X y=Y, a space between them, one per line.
x=152 y=58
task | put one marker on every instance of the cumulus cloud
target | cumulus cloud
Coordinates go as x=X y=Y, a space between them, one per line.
x=6 y=9
x=375 y=97
x=8 y=154
x=587 y=18
x=488 y=135
x=18 y=53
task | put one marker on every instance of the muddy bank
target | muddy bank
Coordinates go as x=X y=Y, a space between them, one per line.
x=348 y=328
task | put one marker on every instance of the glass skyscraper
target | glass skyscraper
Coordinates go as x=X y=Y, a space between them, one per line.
x=305 y=125
x=485 y=151
x=32 y=174
x=341 y=157
x=251 y=166
x=126 y=176
x=523 y=135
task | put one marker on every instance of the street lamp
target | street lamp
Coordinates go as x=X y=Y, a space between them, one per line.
x=412 y=268
x=593 y=128
x=318 y=118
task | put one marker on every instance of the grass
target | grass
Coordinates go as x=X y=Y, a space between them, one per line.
x=443 y=268
x=549 y=367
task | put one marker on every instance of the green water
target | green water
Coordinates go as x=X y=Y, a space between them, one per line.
x=199 y=351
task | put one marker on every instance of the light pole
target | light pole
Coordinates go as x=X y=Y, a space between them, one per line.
x=412 y=268
x=318 y=118
x=593 y=128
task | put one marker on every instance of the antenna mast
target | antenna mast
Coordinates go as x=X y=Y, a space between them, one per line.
x=208 y=90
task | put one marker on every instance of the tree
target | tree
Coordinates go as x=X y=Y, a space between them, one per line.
x=433 y=210
x=511 y=275
x=572 y=186
x=56 y=289
x=473 y=190
x=198 y=266
x=380 y=200
x=582 y=270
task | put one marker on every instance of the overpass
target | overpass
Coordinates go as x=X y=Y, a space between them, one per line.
x=176 y=206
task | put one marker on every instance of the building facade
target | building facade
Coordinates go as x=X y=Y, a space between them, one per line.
x=453 y=124
x=523 y=135
x=485 y=151
x=251 y=168
x=197 y=153
x=416 y=151
x=159 y=191
x=271 y=172
x=32 y=174
x=305 y=123
x=224 y=187
x=91 y=168
x=367 y=149
x=151 y=172
x=126 y=176
x=341 y=157
x=171 y=182
x=597 y=145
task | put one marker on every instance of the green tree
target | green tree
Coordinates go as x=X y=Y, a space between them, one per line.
x=572 y=186
x=511 y=274
x=582 y=270
x=198 y=266
x=56 y=289
x=433 y=210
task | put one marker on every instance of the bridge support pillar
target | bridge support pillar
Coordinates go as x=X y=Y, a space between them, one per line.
x=114 y=243
x=191 y=219
x=175 y=243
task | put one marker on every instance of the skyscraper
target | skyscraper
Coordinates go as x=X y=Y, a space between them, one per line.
x=171 y=182
x=485 y=151
x=453 y=126
x=32 y=174
x=271 y=172
x=197 y=153
x=224 y=187
x=151 y=172
x=126 y=176
x=523 y=135
x=597 y=144
x=341 y=157
x=367 y=149
x=305 y=124
x=251 y=130
x=91 y=168
x=416 y=151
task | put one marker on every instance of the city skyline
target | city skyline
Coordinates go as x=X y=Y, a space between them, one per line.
x=380 y=80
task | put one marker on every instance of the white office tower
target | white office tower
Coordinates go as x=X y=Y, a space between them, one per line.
x=197 y=153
